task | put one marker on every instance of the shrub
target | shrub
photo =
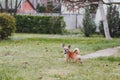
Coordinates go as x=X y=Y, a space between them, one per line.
x=88 y=24
x=7 y=25
x=40 y=9
x=40 y=24
x=49 y=7
x=113 y=22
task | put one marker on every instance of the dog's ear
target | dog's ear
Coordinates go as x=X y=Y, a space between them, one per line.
x=63 y=45
x=69 y=46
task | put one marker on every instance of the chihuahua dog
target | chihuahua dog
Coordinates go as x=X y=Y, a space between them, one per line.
x=75 y=54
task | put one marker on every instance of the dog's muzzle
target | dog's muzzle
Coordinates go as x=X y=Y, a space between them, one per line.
x=65 y=51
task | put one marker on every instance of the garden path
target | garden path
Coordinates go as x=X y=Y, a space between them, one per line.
x=102 y=53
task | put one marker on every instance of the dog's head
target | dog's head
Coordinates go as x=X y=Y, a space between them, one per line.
x=66 y=48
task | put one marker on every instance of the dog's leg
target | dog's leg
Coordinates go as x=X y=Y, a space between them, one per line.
x=80 y=60
x=67 y=59
x=76 y=61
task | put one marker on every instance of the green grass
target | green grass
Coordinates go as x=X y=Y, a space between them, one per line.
x=111 y=59
x=40 y=57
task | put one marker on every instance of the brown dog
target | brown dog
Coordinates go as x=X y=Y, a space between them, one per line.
x=71 y=54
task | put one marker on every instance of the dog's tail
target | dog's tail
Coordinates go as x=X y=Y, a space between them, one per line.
x=76 y=50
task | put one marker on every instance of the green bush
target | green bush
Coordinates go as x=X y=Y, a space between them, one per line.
x=7 y=25
x=40 y=9
x=49 y=7
x=88 y=24
x=40 y=24
x=113 y=22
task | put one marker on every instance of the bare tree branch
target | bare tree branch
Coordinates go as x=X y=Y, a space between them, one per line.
x=19 y=3
x=16 y=6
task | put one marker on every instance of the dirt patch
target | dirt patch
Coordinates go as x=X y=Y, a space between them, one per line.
x=102 y=53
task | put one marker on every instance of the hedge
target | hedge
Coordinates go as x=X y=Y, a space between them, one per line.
x=40 y=24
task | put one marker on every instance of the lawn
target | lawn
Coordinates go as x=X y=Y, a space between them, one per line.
x=40 y=57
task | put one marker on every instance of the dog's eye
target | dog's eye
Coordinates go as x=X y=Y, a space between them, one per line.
x=66 y=50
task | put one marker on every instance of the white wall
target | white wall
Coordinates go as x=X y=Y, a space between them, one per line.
x=73 y=21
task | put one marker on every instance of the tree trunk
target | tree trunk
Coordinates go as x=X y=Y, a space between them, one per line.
x=76 y=22
x=11 y=8
x=1 y=9
x=6 y=5
x=105 y=23
x=15 y=10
